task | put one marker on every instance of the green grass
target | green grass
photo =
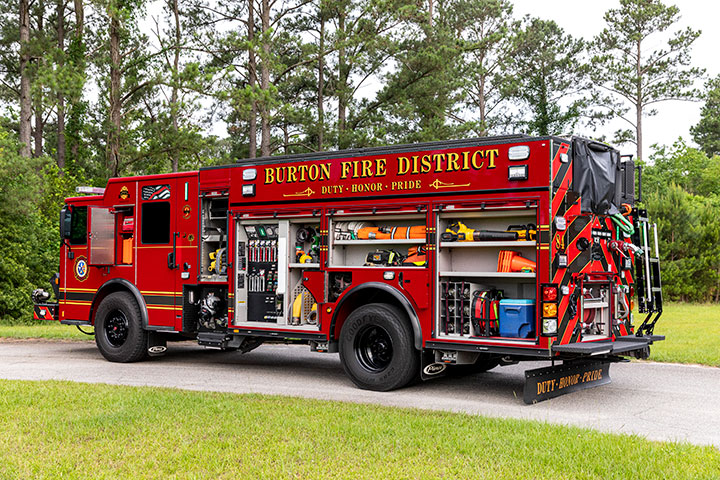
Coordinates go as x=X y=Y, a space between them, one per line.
x=51 y=330
x=692 y=334
x=69 y=430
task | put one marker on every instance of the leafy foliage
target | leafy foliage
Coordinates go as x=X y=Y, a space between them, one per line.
x=707 y=132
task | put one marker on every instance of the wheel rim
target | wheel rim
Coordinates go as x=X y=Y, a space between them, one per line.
x=116 y=328
x=374 y=349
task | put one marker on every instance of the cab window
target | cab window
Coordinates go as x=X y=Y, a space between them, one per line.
x=155 y=226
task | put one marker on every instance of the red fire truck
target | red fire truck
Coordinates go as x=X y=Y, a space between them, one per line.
x=410 y=261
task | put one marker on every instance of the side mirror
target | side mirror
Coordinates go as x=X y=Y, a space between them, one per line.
x=65 y=221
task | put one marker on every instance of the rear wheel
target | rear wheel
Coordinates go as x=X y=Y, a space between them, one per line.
x=376 y=348
x=118 y=329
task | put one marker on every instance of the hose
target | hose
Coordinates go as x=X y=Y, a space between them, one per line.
x=623 y=223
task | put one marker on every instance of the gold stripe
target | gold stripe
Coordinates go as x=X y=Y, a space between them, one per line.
x=169 y=247
x=163 y=307
x=92 y=290
x=77 y=303
x=153 y=292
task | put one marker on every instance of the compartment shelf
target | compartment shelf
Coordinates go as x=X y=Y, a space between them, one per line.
x=304 y=265
x=394 y=241
x=506 y=275
x=509 y=243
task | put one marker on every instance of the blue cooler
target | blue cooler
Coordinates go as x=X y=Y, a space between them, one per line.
x=517 y=318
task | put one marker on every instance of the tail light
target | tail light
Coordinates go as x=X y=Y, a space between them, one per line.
x=549 y=309
x=550 y=294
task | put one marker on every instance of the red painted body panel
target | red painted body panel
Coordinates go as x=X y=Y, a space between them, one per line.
x=471 y=177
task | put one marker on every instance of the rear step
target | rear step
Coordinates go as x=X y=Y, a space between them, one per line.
x=213 y=339
x=619 y=346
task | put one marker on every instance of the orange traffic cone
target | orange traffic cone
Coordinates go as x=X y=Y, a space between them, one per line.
x=509 y=261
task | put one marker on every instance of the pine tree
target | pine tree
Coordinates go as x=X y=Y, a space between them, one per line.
x=707 y=131
x=633 y=71
x=551 y=77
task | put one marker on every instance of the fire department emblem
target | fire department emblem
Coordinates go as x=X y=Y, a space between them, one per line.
x=186 y=211
x=124 y=193
x=156 y=192
x=81 y=269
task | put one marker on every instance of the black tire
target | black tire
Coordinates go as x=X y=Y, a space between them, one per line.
x=376 y=348
x=118 y=330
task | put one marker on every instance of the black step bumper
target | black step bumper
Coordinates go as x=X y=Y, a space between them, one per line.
x=621 y=346
x=45 y=311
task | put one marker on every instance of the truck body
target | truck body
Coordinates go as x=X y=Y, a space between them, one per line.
x=409 y=260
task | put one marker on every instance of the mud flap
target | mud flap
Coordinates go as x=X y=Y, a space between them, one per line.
x=549 y=382
x=430 y=369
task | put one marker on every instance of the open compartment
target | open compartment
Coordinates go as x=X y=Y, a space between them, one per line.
x=271 y=257
x=486 y=271
x=213 y=239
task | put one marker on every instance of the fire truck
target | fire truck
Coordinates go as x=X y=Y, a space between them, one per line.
x=409 y=261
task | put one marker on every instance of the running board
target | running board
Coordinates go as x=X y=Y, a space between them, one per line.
x=605 y=347
x=550 y=382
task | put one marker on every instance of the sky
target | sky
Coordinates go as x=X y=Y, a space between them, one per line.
x=583 y=18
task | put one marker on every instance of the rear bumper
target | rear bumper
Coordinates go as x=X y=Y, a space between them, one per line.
x=628 y=345
x=45 y=311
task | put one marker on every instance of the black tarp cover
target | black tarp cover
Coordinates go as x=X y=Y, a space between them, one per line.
x=595 y=168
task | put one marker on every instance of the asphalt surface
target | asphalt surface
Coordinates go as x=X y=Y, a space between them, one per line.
x=653 y=400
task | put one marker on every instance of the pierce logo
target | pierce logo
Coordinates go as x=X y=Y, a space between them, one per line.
x=124 y=193
x=434 y=369
x=81 y=269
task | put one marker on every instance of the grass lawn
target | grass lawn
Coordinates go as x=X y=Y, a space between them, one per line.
x=68 y=430
x=692 y=334
x=45 y=330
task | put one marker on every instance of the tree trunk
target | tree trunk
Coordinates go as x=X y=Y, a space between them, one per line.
x=342 y=81
x=60 y=95
x=113 y=143
x=252 y=74
x=321 y=84
x=265 y=82
x=176 y=79
x=39 y=123
x=76 y=56
x=25 y=102
x=639 y=105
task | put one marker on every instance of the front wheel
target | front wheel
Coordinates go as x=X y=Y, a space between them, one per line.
x=118 y=329
x=376 y=348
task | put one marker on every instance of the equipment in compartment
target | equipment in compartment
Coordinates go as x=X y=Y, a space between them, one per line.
x=383 y=258
x=304 y=307
x=211 y=315
x=517 y=318
x=459 y=232
x=456 y=306
x=416 y=257
x=349 y=230
x=510 y=261
x=262 y=274
x=218 y=261
x=307 y=245
x=391 y=233
x=484 y=312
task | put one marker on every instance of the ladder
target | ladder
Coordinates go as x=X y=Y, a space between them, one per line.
x=647 y=272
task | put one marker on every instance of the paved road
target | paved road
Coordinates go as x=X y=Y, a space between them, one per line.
x=657 y=401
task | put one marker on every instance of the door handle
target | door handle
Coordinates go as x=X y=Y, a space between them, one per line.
x=173 y=256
